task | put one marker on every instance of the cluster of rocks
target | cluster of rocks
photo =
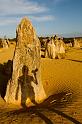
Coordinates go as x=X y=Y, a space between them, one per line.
x=73 y=43
x=67 y=43
x=55 y=48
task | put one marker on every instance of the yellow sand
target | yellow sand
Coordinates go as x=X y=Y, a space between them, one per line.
x=59 y=75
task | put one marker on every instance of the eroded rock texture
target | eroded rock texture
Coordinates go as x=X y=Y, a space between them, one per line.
x=26 y=85
x=76 y=43
x=55 y=48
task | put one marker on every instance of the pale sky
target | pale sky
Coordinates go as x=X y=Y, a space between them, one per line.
x=48 y=16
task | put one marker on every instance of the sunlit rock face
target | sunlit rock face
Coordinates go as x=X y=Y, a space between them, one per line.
x=50 y=51
x=55 y=48
x=76 y=43
x=61 y=52
x=4 y=43
x=25 y=87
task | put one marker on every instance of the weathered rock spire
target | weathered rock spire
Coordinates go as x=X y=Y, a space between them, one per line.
x=26 y=84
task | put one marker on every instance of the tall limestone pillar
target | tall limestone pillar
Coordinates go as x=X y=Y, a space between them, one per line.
x=26 y=87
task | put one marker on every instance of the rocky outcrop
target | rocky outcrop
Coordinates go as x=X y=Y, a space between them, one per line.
x=76 y=43
x=26 y=87
x=55 y=48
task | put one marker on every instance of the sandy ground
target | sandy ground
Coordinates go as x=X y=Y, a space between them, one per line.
x=62 y=78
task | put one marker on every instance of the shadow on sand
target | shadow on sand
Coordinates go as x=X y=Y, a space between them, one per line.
x=74 y=60
x=51 y=104
x=38 y=111
x=5 y=75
